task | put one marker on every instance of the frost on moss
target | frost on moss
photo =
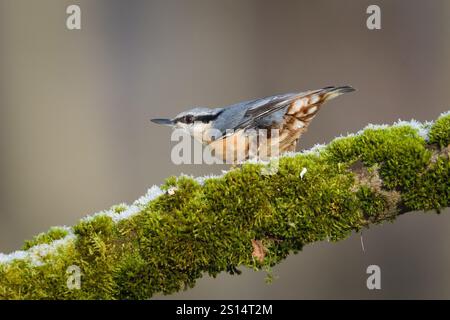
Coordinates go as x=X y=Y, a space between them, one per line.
x=189 y=227
x=55 y=233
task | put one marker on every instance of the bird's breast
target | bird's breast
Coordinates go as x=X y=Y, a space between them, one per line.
x=261 y=144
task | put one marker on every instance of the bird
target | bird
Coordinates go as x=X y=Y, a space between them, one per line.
x=282 y=118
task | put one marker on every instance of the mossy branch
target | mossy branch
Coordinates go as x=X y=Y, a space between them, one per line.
x=188 y=227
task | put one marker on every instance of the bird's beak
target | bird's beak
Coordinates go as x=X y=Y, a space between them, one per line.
x=165 y=122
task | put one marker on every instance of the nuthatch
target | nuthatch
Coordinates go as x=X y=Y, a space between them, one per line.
x=290 y=114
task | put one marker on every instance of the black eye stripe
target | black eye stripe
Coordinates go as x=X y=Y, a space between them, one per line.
x=205 y=118
x=208 y=117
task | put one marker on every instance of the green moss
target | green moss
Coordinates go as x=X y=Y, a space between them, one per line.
x=400 y=152
x=440 y=131
x=21 y=280
x=195 y=229
x=432 y=189
x=371 y=202
x=55 y=233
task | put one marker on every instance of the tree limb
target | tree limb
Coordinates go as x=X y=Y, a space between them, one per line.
x=247 y=217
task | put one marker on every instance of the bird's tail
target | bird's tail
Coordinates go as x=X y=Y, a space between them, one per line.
x=308 y=103
x=329 y=93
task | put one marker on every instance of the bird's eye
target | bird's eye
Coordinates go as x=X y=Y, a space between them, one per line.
x=189 y=119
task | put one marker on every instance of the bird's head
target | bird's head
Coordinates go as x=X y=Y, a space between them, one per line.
x=195 y=122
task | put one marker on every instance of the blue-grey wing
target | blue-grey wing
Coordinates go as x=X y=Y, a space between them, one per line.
x=258 y=113
x=268 y=111
x=261 y=112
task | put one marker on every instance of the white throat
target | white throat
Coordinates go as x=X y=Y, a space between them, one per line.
x=198 y=130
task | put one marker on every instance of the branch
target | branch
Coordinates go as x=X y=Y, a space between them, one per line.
x=190 y=226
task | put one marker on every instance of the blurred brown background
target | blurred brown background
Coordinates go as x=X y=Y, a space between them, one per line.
x=74 y=108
